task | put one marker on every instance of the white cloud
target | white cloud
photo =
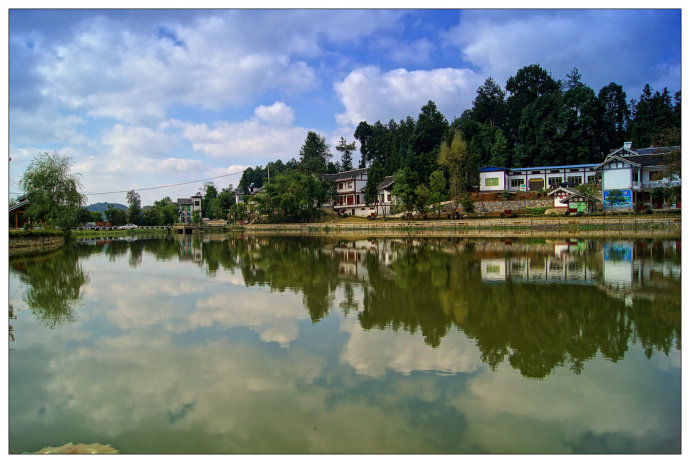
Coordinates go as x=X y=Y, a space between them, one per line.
x=506 y=422
x=118 y=73
x=223 y=58
x=138 y=142
x=372 y=353
x=254 y=141
x=276 y=114
x=370 y=95
x=45 y=126
x=602 y=44
x=273 y=315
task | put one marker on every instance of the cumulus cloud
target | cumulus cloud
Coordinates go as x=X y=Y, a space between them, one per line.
x=369 y=94
x=277 y=114
x=500 y=421
x=600 y=43
x=266 y=137
x=133 y=74
x=373 y=353
x=273 y=315
x=137 y=141
x=45 y=126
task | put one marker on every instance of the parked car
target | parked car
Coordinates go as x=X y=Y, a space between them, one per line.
x=127 y=227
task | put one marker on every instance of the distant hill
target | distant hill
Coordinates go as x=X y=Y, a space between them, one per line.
x=101 y=207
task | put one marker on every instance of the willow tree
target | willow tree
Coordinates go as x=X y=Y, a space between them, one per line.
x=52 y=190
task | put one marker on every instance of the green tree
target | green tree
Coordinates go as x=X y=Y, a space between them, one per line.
x=83 y=215
x=196 y=217
x=615 y=115
x=528 y=84
x=404 y=188
x=207 y=205
x=167 y=209
x=134 y=211
x=574 y=80
x=115 y=215
x=96 y=216
x=489 y=106
x=422 y=194
x=346 y=150
x=437 y=187
x=499 y=150
x=374 y=178
x=151 y=217
x=453 y=158
x=52 y=190
x=582 y=134
x=429 y=131
x=314 y=154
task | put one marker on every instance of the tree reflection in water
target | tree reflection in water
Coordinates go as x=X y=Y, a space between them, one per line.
x=53 y=284
x=428 y=286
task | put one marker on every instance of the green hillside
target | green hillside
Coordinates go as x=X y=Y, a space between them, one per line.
x=101 y=207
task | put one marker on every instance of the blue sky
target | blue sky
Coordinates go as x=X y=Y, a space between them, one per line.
x=143 y=98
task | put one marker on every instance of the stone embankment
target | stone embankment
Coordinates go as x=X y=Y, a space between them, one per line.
x=20 y=243
x=513 y=205
x=521 y=226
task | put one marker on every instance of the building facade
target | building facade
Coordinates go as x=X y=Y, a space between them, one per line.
x=629 y=176
x=187 y=206
x=492 y=178
x=350 y=186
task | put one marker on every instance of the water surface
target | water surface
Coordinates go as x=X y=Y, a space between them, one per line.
x=259 y=344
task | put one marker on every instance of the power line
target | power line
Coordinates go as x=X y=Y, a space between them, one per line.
x=166 y=186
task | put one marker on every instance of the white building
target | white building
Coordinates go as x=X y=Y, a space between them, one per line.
x=492 y=178
x=351 y=188
x=633 y=174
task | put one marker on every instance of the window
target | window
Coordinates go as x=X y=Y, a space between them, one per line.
x=635 y=176
x=593 y=179
x=556 y=171
x=575 y=180
x=516 y=182
x=655 y=176
x=492 y=181
x=555 y=181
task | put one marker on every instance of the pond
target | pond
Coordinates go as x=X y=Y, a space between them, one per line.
x=303 y=344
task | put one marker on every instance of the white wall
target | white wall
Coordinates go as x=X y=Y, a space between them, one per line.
x=617 y=179
x=501 y=181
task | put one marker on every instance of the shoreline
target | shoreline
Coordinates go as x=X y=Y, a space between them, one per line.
x=520 y=226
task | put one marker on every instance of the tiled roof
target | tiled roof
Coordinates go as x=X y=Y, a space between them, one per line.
x=644 y=160
x=386 y=182
x=560 y=188
x=584 y=196
x=346 y=175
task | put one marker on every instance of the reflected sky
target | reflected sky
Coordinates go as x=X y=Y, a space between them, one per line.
x=225 y=347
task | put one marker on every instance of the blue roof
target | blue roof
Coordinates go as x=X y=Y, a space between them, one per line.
x=492 y=169
x=571 y=166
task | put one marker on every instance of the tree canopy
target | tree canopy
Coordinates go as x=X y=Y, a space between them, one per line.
x=53 y=190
